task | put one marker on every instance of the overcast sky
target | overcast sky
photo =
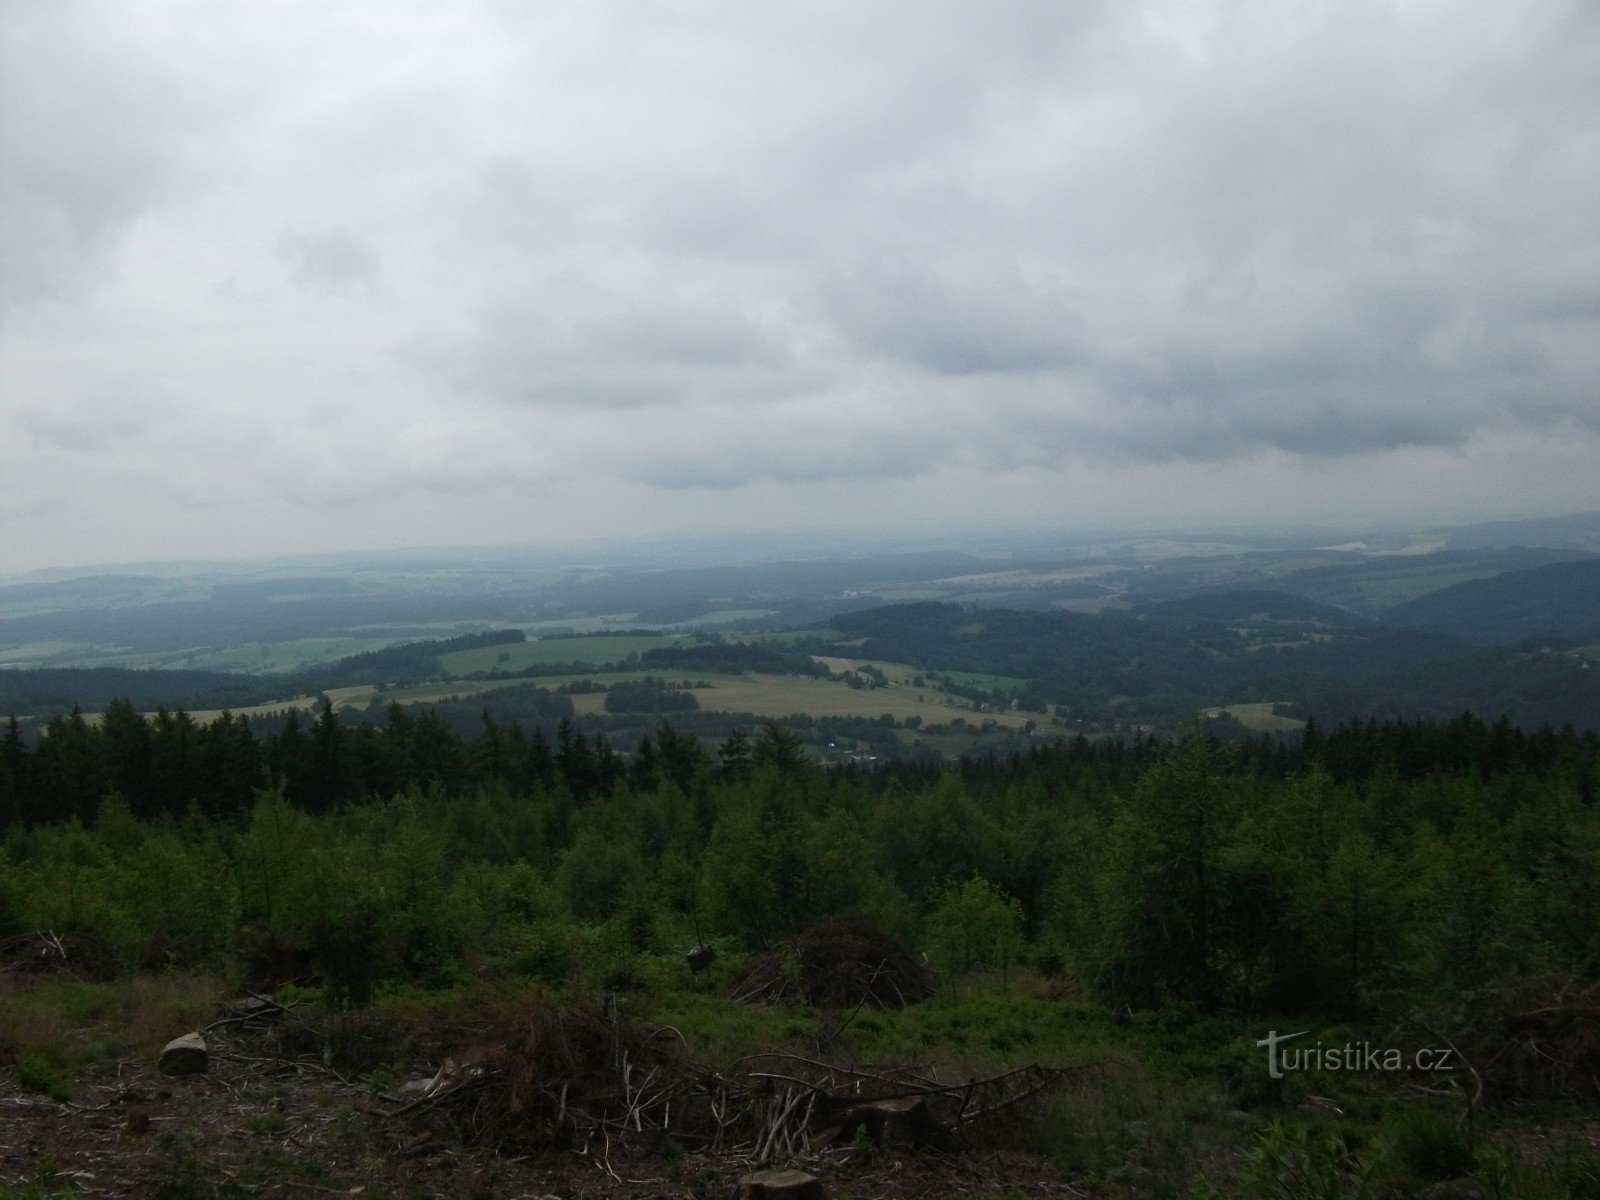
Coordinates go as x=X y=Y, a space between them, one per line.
x=292 y=276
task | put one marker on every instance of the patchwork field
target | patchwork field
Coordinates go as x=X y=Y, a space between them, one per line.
x=267 y=658
x=1257 y=717
x=361 y=695
x=778 y=696
x=597 y=651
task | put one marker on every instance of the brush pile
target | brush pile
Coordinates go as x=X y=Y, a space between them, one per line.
x=536 y=1077
x=844 y=962
x=1537 y=1038
x=44 y=950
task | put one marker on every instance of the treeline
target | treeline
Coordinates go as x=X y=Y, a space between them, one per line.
x=409 y=662
x=1378 y=868
x=169 y=765
x=58 y=689
x=733 y=658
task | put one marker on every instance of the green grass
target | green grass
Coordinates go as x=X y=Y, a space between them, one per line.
x=51 y=1026
x=596 y=651
x=268 y=658
x=777 y=696
x=1258 y=717
x=991 y=683
x=361 y=695
x=36 y=1074
x=787 y=636
x=422 y=693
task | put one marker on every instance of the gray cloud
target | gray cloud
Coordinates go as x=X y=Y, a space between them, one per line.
x=470 y=252
x=328 y=258
x=93 y=131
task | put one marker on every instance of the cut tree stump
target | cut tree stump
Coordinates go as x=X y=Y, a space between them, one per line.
x=902 y=1123
x=184 y=1056
x=780 y=1185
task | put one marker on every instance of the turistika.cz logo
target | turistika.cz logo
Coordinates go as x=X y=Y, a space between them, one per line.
x=1352 y=1056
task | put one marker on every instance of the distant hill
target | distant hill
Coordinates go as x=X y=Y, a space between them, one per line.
x=1557 y=601
x=1238 y=607
x=1199 y=652
x=1372 y=586
x=1579 y=532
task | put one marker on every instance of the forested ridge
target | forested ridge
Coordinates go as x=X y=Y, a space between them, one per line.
x=1226 y=648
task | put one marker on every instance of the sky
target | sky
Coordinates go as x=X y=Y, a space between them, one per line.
x=287 y=276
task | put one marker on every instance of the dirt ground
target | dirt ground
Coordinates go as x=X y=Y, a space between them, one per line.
x=258 y=1126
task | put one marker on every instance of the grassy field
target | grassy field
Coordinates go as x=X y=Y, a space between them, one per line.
x=893 y=672
x=992 y=683
x=785 y=637
x=595 y=651
x=39 y=654
x=421 y=693
x=721 y=616
x=362 y=695
x=766 y=696
x=779 y=696
x=1257 y=717
x=900 y=673
x=270 y=658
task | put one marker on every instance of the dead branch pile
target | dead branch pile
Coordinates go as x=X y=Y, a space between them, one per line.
x=1539 y=1038
x=272 y=960
x=553 y=1079
x=844 y=962
x=44 y=950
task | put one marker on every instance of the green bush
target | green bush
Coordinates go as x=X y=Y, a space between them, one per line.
x=1428 y=1145
x=36 y=1074
x=1302 y=1162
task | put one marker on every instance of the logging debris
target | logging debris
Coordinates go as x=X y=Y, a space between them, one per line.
x=843 y=962
x=541 y=1077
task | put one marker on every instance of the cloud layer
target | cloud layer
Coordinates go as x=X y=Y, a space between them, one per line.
x=385 y=272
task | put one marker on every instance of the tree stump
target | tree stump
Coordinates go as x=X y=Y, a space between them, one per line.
x=184 y=1056
x=780 y=1185
x=903 y=1123
x=701 y=957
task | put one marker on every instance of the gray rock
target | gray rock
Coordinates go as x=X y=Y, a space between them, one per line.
x=186 y=1055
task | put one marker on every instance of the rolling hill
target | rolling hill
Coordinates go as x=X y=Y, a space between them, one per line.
x=1561 y=600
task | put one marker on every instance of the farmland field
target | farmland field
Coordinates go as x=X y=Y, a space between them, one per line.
x=597 y=651
x=785 y=637
x=37 y=654
x=978 y=679
x=269 y=658
x=1258 y=718
x=422 y=693
x=787 y=695
x=892 y=671
x=361 y=695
